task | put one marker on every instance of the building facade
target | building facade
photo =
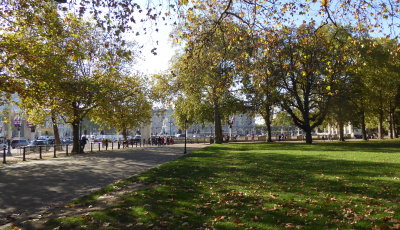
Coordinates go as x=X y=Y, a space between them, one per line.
x=163 y=124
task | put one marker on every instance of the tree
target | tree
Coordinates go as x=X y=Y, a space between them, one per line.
x=35 y=58
x=380 y=74
x=260 y=15
x=261 y=89
x=125 y=107
x=204 y=76
x=341 y=109
x=308 y=64
x=66 y=64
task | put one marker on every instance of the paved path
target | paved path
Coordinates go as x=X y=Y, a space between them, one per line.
x=31 y=187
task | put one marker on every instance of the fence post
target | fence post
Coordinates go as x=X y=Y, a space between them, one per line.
x=23 y=154
x=54 y=151
x=66 y=150
x=4 y=155
x=99 y=147
x=40 y=152
x=91 y=147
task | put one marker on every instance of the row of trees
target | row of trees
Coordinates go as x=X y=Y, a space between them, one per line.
x=314 y=72
x=235 y=52
x=66 y=69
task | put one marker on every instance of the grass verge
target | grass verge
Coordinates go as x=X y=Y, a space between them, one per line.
x=259 y=186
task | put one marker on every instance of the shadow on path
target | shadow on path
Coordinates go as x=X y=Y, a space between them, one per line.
x=36 y=186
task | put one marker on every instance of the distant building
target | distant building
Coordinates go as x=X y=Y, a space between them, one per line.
x=164 y=124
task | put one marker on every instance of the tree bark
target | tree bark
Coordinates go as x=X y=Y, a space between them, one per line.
x=391 y=125
x=380 y=125
x=308 y=135
x=75 y=135
x=363 y=127
x=396 y=135
x=217 y=125
x=307 y=126
x=341 y=131
x=267 y=119
x=57 y=140
x=125 y=134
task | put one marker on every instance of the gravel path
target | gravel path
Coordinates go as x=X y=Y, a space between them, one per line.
x=33 y=187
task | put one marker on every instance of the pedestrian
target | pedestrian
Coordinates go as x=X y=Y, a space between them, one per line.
x=83 y=143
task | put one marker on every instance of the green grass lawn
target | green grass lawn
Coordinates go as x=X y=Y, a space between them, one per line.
x=261 y=186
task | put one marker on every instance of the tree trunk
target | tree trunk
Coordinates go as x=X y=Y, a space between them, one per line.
x=363 y=127
x=307 y=127
x=341 y=131
x=75 y=135
x=125 y=134
x=217 y=125
x=380 y=125
x=267 y=119
x=391 y=125
x=57 y=140
x=308 y=135
x=395 y=133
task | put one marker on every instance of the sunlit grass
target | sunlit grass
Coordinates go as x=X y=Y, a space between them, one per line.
x=261 y=186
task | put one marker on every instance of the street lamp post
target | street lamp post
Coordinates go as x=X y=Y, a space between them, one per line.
x=184 y=152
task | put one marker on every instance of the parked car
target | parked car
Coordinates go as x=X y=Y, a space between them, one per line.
x=67 y=141
x=180 y=135
x=34 y=146
x=51 y=141
x=3 y=145
x=19 y=143
x=137 y=138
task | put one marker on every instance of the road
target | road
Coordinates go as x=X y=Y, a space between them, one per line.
x=28 y=188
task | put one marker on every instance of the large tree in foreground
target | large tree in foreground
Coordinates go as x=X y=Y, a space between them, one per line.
x=204 y=75
x=309 y=62
x=68 y=67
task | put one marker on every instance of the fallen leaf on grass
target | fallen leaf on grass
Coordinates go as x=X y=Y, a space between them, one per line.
x=289 y=226
x=395 y=227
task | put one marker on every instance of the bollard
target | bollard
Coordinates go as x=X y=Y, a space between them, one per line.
x=91 y=147
x=54 y=151
x=99 y=147
x=140 y=143
x=136 y=144
x=119 y=145
x=66 y=150
x=106 y=147
x=23 y=155
x=40 y=152
x=4 y=155
x=112 y=145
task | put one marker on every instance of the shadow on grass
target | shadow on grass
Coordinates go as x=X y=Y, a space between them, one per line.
x=387 y=146
x=235 y=187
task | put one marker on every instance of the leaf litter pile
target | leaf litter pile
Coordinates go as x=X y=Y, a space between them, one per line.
x=252 y=186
